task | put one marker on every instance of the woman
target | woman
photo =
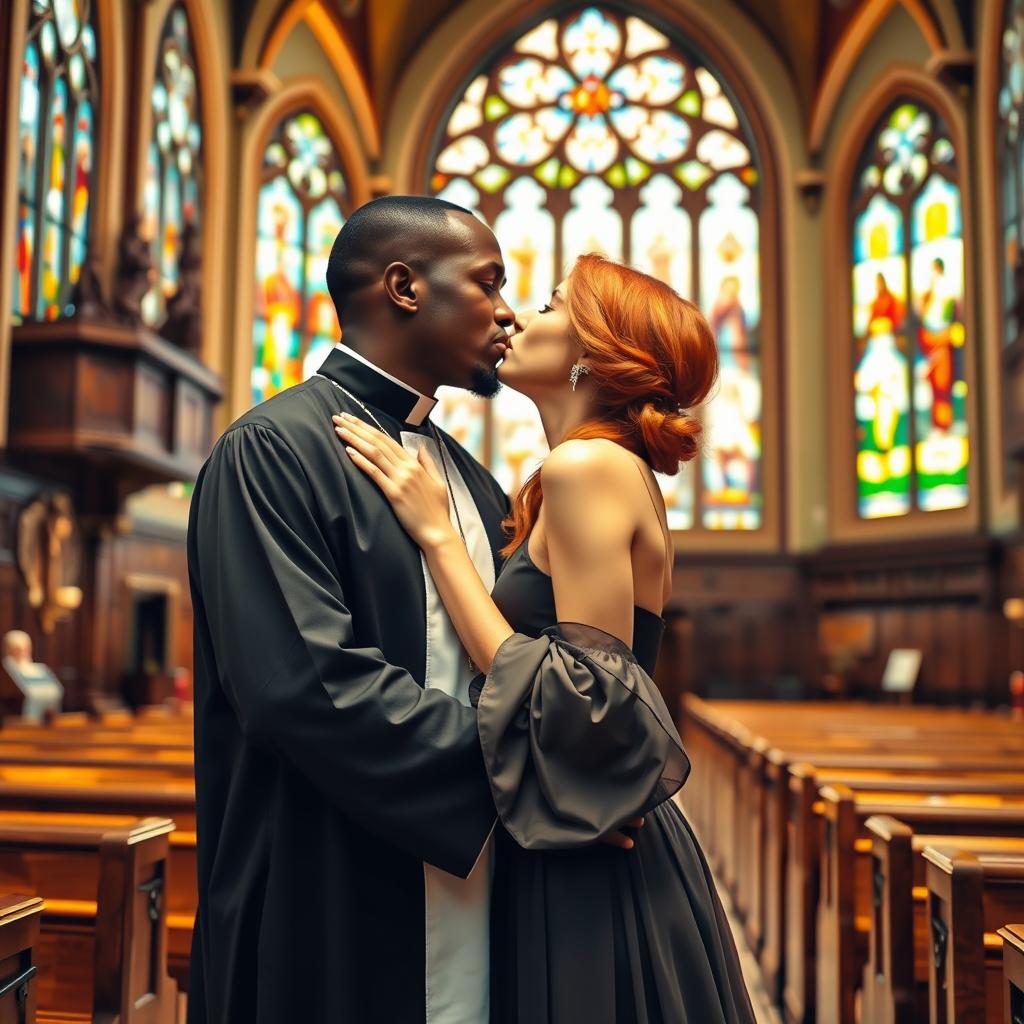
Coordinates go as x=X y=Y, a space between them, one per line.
x=576 y=738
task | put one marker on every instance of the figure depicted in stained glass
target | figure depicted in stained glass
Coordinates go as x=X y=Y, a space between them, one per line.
x=58 y=93
x=727 y=318
x=937 y=335
x=631 y=147
x=882 y=370
x=732 y=419
x=661 y=253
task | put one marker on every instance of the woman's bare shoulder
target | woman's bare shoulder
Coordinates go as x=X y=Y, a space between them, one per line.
x=587 y=461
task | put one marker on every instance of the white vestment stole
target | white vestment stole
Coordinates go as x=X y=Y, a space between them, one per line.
x=457 y=911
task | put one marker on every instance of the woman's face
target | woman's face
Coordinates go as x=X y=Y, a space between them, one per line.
x=541 y=351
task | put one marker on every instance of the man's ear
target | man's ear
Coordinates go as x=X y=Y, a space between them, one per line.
x=401 y=285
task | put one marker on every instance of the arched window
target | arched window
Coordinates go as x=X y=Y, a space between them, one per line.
x=908 y=305
x=172 y=192
x=1011 y=164
x=303 y=201
x=596 y=131
x=56 y=145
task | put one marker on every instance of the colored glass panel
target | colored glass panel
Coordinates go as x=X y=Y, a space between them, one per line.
x=174 y=161
x=909 y=383
x=596 y=132
x=937 y=285
x=56 y=130
x=299 y=214
x=48 y=306
x=731 y=297
x=881 y=374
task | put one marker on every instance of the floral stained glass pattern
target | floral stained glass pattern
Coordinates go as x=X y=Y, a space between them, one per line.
x=1010 y=148
x=908 y=297
x=596 y=132
x=56 y=147
x=173 y=184
x=302 y=201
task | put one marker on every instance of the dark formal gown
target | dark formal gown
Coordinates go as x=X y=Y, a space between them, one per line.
x=577 y=740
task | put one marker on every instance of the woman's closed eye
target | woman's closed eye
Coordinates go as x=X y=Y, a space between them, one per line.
x=547 y=309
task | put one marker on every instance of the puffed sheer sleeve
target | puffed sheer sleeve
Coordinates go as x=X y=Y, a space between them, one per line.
x=576 y=737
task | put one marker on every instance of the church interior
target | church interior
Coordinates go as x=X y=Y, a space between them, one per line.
x=838 y=184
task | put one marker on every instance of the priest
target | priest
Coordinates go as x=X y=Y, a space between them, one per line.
x=343 y=811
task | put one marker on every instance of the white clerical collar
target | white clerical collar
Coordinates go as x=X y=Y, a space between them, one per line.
x=422 y=405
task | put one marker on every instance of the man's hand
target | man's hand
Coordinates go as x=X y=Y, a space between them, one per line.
x=619 y=838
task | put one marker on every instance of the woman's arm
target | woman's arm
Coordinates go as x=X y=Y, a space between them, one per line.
x=476 y=618
x=419 y=497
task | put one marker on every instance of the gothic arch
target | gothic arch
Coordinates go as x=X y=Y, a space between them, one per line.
x=489 y=37
x=909 y=82
x=216 y=127
x=297 y=94
x=269 y=26
x=843 y=60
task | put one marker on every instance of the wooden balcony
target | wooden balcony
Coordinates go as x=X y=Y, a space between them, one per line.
x=103 y=403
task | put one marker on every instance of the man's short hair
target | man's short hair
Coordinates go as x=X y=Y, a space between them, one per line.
x=405 y=228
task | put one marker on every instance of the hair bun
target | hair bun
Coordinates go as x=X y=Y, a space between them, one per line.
x=669 y=435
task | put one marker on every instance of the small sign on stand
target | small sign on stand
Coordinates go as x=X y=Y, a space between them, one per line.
x=901 y=671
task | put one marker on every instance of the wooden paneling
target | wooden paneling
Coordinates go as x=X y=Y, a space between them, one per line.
x=770 y=627
x=88 y=651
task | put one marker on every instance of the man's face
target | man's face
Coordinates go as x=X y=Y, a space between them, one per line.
x=19 y=649
x=461 y=325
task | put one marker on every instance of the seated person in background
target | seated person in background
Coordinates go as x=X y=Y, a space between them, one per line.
x=41 y=688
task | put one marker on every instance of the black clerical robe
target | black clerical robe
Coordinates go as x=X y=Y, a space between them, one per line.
x=326 y=774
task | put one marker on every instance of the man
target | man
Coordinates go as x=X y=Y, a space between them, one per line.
x=340 y=787
x=42 y=690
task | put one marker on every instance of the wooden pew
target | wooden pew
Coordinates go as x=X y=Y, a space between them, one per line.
x=102 y=951
x=734 y=833
x=1013 y=972
x=19 y=935
x=895 y=982
x=182 y=887
x=12 y=751
x=57 y=740
x=151 y=763
x=826 y=872
x=174 y=799
x=790 y=792
x=735 y=747
x=970 y=896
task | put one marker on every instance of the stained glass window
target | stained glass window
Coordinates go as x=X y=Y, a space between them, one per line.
x=909 y=337
x=56 y=146
x=173 y=183
x=596 y=132
x=1011 y=169
x=302 y=204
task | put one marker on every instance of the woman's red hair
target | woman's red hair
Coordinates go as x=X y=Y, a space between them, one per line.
x=652 y=357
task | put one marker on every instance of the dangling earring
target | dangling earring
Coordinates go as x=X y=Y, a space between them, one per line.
x=578 y=369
